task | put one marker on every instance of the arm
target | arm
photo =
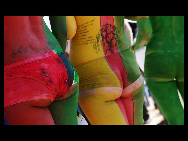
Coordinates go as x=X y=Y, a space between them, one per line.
x=71 y=27
x=136 y=18
x=128 y=32
x=59 y=29
x=144 y=33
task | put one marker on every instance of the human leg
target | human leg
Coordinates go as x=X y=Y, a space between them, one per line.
x=64 y=111
x=133 y=104
x=27 y=114
x=167 y=97
x=29 y=108
x=159 y=76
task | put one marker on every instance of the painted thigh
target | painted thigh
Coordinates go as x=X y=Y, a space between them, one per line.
x=133 y=104
x=133 y=98
x=160 y=71
x=64 y=111
x=167 y=97
x=26 y=114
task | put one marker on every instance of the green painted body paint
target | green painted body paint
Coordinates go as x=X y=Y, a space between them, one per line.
x=132 y=70
x=51 y=39
x=145 y=32
x=129 y=61
x=64 y=112
x=59 y=29
x=164 y=64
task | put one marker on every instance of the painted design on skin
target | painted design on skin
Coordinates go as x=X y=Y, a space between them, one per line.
x=97 y=43
x=110 y=38
x=29 y=50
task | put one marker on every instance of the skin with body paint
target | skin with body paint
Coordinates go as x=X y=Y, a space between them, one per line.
x=164 y=63
x=145 y=32
x=26 y=37
x=98 y=47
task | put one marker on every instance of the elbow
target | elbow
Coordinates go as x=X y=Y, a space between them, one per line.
x=147 y=38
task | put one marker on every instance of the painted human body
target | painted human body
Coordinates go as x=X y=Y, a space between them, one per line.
x=39 y=82
x=164 y=63
x=111 y=85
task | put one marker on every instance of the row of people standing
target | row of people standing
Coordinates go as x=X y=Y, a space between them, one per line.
x=41 y=83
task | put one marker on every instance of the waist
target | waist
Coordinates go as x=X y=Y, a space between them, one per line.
x=84 y=54
x=81 y=54
x=32 y=59
x=12 y=55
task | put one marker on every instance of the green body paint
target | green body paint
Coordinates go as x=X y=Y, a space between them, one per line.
x=64 y=112
x=129 y=61
x=145 y=32
x=51 y=39
x=59 y=29
x=132 y=69
x=164 y=65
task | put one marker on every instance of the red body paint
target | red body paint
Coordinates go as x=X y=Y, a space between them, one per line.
x=114 y=60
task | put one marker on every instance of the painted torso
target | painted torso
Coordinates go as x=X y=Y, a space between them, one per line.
x=24 y=37
x=96 y=37
x=167 y=34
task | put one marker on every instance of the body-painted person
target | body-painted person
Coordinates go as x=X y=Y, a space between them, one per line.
x=39 y=81
x=111 y=85
x=164 y=62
